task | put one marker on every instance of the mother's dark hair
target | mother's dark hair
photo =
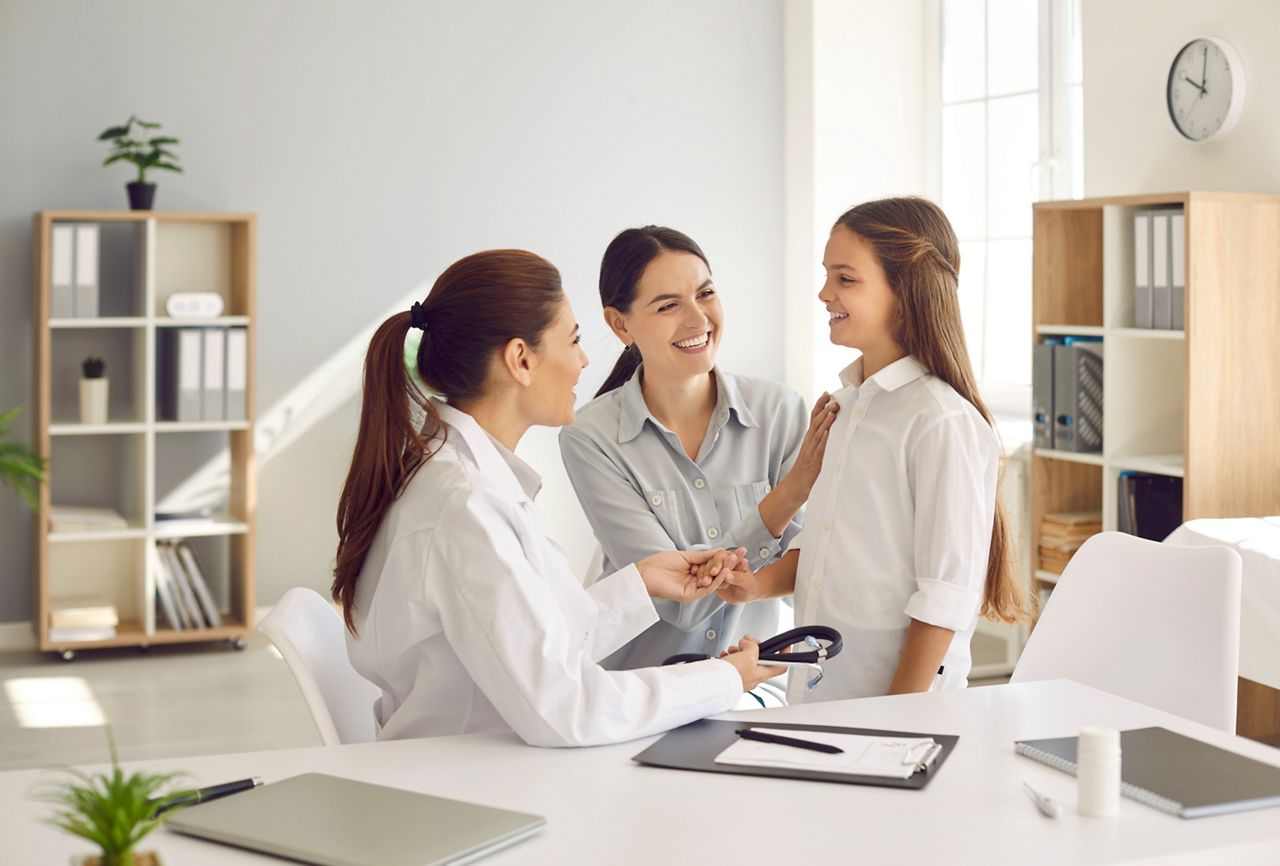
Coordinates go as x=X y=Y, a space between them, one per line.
x=624 y=263
x=476 y=307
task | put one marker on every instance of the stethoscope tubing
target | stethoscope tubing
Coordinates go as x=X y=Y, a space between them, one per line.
x=773 y=651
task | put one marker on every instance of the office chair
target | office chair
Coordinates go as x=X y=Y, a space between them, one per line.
x=308 y=632
x=1155 y=623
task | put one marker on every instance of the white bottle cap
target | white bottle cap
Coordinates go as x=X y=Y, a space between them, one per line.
x=1096 y=740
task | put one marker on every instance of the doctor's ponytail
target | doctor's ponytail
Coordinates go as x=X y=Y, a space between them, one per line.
x=477 y=306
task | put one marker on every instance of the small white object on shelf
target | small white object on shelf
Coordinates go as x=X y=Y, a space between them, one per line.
x=82 y=612
x=93 y=400
x=194 y=305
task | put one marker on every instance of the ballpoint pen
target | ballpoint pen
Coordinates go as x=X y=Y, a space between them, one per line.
x=213 y=792
x=777 y=739
x=1049 y=808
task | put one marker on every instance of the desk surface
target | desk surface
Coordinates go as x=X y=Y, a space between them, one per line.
x=603 y=808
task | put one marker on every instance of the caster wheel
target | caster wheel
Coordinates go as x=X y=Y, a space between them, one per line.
x=68 y=655
x=238 y=644
x=144 y=647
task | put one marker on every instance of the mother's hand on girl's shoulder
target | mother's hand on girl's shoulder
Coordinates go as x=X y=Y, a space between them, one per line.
x=804 y=472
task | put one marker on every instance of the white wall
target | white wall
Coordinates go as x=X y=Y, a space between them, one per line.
x=379 y=142
x=1129 y=144
x=857 y=128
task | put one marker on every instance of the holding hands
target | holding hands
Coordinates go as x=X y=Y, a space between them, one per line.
x=688 y=575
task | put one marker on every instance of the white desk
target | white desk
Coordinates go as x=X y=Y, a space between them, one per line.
x=603 y=809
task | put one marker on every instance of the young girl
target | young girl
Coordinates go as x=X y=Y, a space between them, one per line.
x=676 y=452
x=905 y=542
x=459 y=608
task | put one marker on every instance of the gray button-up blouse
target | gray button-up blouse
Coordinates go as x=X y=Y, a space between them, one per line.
x=643 y=494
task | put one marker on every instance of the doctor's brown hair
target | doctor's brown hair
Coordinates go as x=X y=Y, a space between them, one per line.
x=477 y=306
x=918 y=250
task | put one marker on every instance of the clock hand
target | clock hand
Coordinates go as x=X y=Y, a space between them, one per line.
x=1193 y=84
x=1204 y=68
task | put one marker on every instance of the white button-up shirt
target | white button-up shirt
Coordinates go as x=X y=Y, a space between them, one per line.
x=469 y=619
x=899 y=527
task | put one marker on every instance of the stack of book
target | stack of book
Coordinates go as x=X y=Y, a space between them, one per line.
x=182 y=590
x=1062 y=534
x=82 y=618
x=77 y=518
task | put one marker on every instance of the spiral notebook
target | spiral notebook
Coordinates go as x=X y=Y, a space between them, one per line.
x=1175 y=774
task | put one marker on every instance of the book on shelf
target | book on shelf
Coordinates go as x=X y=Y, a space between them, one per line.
x=1150 y=506
x=166 y=593
x=82 y=612
x=77 y=635
x=1061 y=535
x=82 y=518
x=186 y=597
x=182 y=588
x=198 y=583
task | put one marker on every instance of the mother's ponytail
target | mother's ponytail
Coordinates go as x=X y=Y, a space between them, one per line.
x=478 y=305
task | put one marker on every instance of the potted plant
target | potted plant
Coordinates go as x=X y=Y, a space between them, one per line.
x=93 y=391
x=113 y=811
x=136 y=142
x=20 y=467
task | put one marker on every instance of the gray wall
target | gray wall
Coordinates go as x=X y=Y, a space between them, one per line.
x=1130 y=146
x=378 y=142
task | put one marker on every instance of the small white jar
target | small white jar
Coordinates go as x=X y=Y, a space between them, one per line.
x=1098 y=772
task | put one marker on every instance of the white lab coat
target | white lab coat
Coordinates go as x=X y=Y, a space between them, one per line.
x=469 y=619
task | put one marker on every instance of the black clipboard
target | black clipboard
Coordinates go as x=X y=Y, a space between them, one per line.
x=695 y=747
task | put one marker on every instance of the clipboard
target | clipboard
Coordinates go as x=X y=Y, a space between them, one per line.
x=696 y=745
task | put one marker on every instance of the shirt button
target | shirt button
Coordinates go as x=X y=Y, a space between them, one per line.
x=711 y=634
x=699 y=483
x=713 y=533
x=859 y=414
x=839 y=467
x=826 y=524
x=764 y=553
x=656 y=499
x=815 y=583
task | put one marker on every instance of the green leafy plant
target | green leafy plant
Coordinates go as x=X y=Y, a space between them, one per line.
x=20 y=467
x=112 y=810
x=93 y=368
x=134 y=142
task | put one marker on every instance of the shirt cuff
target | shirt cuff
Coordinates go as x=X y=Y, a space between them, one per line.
x=943 y=604
x=623 y=610
x=752 y=534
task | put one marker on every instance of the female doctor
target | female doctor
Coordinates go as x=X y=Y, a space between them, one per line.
x=458 y=606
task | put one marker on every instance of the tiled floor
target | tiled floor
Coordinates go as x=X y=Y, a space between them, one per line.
x=170 y=702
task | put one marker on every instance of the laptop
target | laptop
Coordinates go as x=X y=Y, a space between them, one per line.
x=330 y=821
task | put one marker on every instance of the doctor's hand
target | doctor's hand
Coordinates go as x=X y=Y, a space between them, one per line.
x=671 y=575
x=745 y=657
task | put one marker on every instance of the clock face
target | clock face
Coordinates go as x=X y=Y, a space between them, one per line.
x=1202 y=89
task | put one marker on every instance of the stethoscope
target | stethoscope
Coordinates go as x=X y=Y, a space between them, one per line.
x=823 y=643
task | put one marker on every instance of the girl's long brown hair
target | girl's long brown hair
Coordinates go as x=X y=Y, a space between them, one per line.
x=918 y=250
x=475 y=308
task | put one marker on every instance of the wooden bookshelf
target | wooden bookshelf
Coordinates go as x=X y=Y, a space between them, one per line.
x=1200 y=404
x=134 y=455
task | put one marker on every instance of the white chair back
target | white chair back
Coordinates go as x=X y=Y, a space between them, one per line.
x=308 y=632
x=1155 y=623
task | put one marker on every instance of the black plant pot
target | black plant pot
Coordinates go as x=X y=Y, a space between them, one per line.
x=141 y=195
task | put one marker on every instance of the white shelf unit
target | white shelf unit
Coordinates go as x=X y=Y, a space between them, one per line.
x=162 y=253
x=1187 y=403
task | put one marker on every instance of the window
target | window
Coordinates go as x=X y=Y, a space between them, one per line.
x=1009 y=133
